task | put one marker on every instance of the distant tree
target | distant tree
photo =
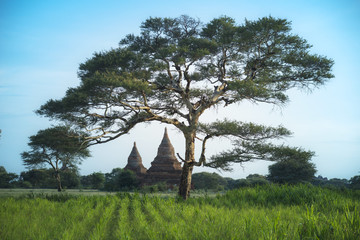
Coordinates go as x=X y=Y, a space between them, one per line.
x=230 y=183
x=85 y=181
x=319 y=180
x=60 y=147
x=338 y=183
x=44 y=178
x=38 y=178
x=24 y=184
x=240 y=183
x=293 y=167
x=121 y=179
x=70 y=178
x=178 y=68
x=256 y=179
x=154 y=188
x=250 y=181
x=355 y=182
x=95 y=180
x=206 y=180
x=111 y=180
x=127 y=180
x=7 y=180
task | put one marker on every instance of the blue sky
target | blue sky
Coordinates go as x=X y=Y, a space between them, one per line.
x=42 y=44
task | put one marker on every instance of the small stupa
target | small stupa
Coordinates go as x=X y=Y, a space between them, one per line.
x=165 y=167
x=135 y=163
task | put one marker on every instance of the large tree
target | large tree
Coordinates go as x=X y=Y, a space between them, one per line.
x=60 y=147
x=178 y=68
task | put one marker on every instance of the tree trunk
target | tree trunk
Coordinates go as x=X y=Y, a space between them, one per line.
x=58 y=179
x=185 y=180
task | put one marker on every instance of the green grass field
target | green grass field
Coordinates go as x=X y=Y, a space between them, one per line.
x=271 y=212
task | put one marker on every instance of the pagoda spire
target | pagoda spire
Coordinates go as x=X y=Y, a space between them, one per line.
x=165 y=166
x=166 y=149
x=135 y=161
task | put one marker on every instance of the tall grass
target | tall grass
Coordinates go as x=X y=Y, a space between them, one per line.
x=269 y=212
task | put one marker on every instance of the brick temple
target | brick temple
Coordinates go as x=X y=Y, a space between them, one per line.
x=164 y=168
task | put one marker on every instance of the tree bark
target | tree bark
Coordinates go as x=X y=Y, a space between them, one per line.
x=185 y=180
x=58 y=179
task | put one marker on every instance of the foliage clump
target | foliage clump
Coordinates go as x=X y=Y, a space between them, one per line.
x=294 y=168
x=121 y=180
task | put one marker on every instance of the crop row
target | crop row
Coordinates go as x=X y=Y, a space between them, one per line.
x=241 y=214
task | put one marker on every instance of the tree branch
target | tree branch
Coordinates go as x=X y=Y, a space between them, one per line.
x=180 y=157
x=202 y=159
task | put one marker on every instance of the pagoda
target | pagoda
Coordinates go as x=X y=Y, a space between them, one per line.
x=165 y=167
x=135 y=163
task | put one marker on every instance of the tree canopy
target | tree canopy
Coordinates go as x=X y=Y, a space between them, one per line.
x=177 y=68
x=95 y=180
x=121 y=179
x=296 y=167
x=355 y=182
x=205 y=180
x=6 y=178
